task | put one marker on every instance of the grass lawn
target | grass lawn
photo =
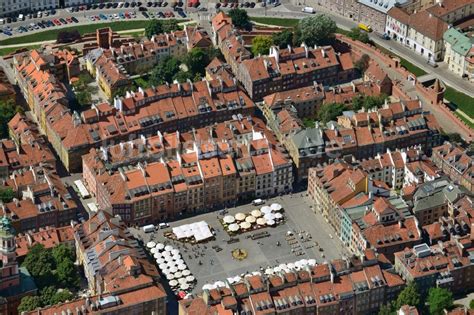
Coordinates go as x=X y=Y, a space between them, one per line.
x=462 y=101
x=411 y=67
x=276 y=21
x=89 y=28
x=471 y=125
x=6 y=51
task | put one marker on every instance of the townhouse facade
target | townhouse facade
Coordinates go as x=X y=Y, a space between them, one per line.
x=282 y=69
x=455 y=163
x=121 y=279
x=41 y=200
x=446 y=265
x=330 y=288
x=179 y=173
x=423 y=30
x=459 y=53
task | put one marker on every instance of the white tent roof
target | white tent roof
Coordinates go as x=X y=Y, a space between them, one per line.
x=199 y=230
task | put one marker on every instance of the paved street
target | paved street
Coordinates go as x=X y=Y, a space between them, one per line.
x=261 y=253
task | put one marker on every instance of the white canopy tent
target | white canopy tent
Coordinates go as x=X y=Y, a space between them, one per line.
x=199 y=230
x=151 y=244
x=276 y=207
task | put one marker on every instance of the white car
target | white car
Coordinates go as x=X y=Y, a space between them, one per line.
x=258 y=202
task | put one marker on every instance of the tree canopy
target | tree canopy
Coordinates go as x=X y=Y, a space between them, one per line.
x=155 y=26
x=40 y=264
x=261 y=45
x=357 y=34
x=316 y=30
x=408 y=296
x=8 y=109
x=6 y=194
x=197 y=59
x=283 y=38
x=240 y=19
x=363 y=63
x=29 y=303
x=368 y=102
x=164 y=71
x=330 y=111
x=438 y=300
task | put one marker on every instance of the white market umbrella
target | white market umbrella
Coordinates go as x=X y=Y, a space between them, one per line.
x=266 y=209
x=256 y=213
x=166 y=254
x=190 y=278
x=154 y=250
x=298 y=264
x=177 y=257
x=245 y=225
x=312 y=262
x=173 y=283
x=230 y=280
x=186 y=272
x=256 y=273
x=178 y=275
x=182 y=267
x=237 y=278
x=269 y=216
x=250 y=219
x=157 y=256
x=220 y=284
x=179 y=261
x=234 y=227
x=269 y=271
x=150 y=244
x=291 y=265
x=270 y=222
x=276 y=207
x=170 y=276
x=182 y=280
x=184 y=286
x=229 y=219
x=168 y=248
x=171 y=264
x=207 y=286
x=283 y=266
x=175 y=252
x=160 y=246
x=240 y=216
x=173 y=269
x=160 y=261
x=277 y=269
x=278 y=216
x=163 y=266
x=261 y=221
x=304 y=262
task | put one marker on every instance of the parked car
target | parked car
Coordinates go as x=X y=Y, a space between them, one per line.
x=74 y=20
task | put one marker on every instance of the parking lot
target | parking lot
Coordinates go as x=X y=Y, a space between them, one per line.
x=212 y=261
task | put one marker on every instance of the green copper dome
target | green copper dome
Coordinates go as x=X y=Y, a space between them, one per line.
x=6 y=227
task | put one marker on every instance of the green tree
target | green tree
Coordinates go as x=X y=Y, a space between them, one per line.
x=40 y=264
x=368 y=101
x=363 y=63
x=47 y=294
x=283 y=38
x=63 y=252
x=164 y=71
x=197 y=59
x=408 y=296
x=29 y=303
x=183 y=76
x=153 y=27
x=61 y=296
x=330 y=111
x=386 y=309
x=438 y=300
x=66 y=274
x=8 y=109
x=261 y=45
x=6 y=194
x=357 y=34
x=471 y=305
x=316 y=30
x=170 y=25
x=240 y=19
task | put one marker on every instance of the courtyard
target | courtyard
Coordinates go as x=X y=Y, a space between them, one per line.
x=213 y=261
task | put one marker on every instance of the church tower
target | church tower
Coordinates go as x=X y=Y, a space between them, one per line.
x=9 y=273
